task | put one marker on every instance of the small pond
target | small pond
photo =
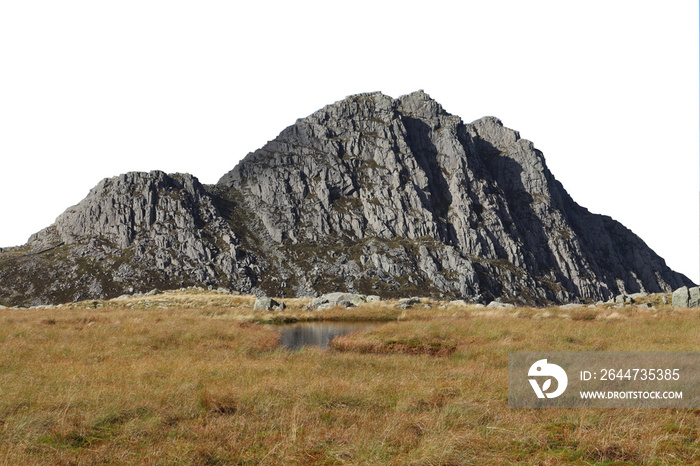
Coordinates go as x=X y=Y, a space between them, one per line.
x=296 y=335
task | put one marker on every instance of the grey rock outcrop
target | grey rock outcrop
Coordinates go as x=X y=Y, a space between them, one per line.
x=626 y=299
x=407 y=303
x=331 y=300
x=370 y=195
x=680 y=297
x=686 y=297
x=499 y=305
x=694 y=296
x=268 y=304
x=133 y=232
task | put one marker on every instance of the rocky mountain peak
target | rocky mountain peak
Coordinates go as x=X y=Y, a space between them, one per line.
x=370 y=194
x=122 y=208
x=420 y=105
x=372 y=169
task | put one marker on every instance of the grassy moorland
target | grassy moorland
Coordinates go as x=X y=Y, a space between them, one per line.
x=196 y=378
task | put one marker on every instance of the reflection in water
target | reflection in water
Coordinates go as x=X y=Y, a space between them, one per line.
x=294 y=336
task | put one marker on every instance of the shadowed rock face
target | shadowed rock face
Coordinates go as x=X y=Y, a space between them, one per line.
x=371 y=194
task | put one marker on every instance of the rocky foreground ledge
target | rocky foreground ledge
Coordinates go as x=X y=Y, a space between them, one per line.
x=349 y=306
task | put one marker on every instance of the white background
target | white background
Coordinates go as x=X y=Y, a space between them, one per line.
x=608 y=90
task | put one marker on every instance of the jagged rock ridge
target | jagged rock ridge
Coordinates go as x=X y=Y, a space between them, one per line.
x=371 y=194
x=134 y=231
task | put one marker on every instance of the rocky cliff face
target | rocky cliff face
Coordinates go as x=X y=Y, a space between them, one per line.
x=133 y=232
x=384 y=196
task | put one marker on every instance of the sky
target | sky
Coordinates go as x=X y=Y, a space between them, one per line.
x=607 y=90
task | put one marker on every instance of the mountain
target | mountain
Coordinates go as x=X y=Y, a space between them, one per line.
x=394 y=197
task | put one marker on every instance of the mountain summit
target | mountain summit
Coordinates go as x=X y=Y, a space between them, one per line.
x=394 y=197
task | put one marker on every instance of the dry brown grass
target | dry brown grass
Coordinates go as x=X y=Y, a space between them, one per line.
x=201 y=383
x=435 y=338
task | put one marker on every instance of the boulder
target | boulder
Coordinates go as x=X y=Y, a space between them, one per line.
x=498 y=305
x=681 y=297
x=407 y=302
x=623 y=299
x=686 y=297
x=268 y=304
x=694 y=296
x=335 y=300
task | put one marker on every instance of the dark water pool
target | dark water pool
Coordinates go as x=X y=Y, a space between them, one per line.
x=295 y=336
